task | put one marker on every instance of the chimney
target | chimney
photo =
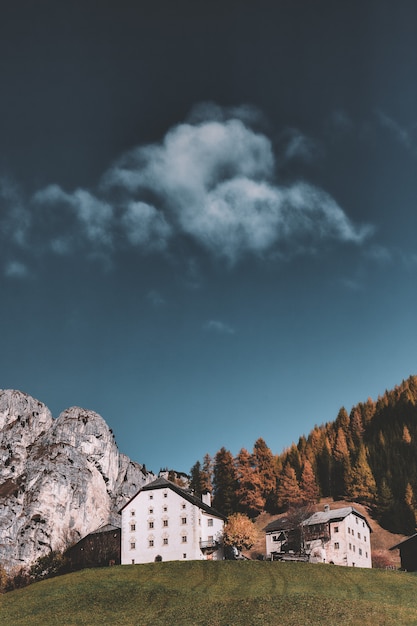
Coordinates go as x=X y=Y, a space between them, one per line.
x=326 y=508
x=206 y=498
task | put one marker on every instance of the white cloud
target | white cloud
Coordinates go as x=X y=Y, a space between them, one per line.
x=218 y=327
x=15 y=219
x=94 y=216
x=212 y=181
x=16 y=269
x=145 y=226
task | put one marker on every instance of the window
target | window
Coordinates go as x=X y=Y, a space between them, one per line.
x=132 y=527
x=165 y=509
x=336 y=529
x=151 y=496
x=132 y=545
x=133 y=561
x=150 y=524
x=165 y=494
x=165 y=523
x=364 y=537
x=210 y=522
x=165 y=541
x=132 y=512
x=183 y=506
x=348 y=530
x=183 y=520
x=184 y=539
x=360 y=551
x=354 y=548
x=151 y=543
x=359 y=535
x=366 y=554
x=336 y=545
x=353 y=533
x=350 y=546
x=151 y=511
x=356 y=519
x=184 y=556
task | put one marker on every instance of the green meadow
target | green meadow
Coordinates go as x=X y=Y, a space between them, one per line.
x=222 y=593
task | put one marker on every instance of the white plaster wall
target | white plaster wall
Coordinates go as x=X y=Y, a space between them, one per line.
x=161 y=505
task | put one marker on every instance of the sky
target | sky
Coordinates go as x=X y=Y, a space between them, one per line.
x=208 y=214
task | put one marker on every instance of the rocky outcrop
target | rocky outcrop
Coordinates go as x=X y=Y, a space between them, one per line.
x=59 y=478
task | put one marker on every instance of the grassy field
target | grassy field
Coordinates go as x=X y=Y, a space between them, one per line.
x=232 y=593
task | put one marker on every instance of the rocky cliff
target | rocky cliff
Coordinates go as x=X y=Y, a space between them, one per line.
x=59 y=478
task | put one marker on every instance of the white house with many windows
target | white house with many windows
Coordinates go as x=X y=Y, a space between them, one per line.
x=164 y=522
x=339 y=536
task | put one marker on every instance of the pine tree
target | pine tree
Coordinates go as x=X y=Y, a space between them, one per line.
x=341 y=465
x=207 y=473
x=249 y=492
x=196 y=480
x=288 y=489
x=224 y=482
x=266 y=467
x=362 y=486
x=308 y=485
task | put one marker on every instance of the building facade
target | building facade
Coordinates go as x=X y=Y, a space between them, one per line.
x=164 y=522
x=339 y=536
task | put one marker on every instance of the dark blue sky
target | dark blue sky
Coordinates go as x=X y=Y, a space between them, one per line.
x=207 y=214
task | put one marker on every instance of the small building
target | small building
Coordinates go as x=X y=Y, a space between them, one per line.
x=338 y=536
x=97 y=549
x=164 y=522
x=408 y=553
x=283 y=539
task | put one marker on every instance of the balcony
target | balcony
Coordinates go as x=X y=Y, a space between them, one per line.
x=210 y=544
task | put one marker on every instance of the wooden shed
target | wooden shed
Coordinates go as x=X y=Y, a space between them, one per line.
x=408 y=553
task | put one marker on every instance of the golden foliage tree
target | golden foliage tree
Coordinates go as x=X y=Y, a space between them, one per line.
x=240 y=532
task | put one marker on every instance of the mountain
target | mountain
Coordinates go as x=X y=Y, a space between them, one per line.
x=59 y=478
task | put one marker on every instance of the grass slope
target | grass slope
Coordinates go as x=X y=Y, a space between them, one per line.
x=224 y=593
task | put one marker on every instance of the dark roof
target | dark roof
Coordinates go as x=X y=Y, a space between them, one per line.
x=282 y=523
x=333 y=515
x=163 y=483
x=411 y=539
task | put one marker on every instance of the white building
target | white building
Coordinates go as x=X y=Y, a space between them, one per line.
x=163 y=522
x=339 y=536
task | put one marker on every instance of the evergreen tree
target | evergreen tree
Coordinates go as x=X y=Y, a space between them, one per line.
x=308 y=486
x=341 y=465
x=249 y=492
x=265 y=465
x=207 y=473
x=224 y=482
x=362 y=486
x=196 y=480
x=288 y=489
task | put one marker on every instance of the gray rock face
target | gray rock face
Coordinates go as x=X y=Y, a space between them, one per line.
x=59 y=479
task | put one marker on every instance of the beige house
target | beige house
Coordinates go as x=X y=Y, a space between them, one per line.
x=164 y=522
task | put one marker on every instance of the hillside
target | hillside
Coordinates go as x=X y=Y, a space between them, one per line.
x=216 y=593
x=368 y=456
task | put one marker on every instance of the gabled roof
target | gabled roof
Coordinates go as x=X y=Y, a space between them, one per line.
x=411 y=539
x=163 y=483
x=333 y=515
x=282 y=523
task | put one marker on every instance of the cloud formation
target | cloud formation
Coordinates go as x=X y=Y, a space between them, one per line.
x=216 y=326
x=212 y=180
